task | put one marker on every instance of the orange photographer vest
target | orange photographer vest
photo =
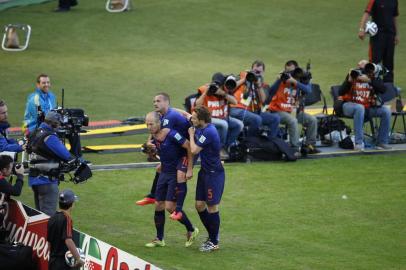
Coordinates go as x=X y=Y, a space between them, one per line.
x=360 y=93
x=284 y=98
x=217 y=106
x=248 y=103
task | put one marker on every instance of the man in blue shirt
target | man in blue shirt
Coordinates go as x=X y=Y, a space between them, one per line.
x=204 y=140
x=172 y=119
x=6 y=144
x=172 y=147
x=39 y=103
x=45 y=186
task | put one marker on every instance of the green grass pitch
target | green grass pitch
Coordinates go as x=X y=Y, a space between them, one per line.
x=274 y=215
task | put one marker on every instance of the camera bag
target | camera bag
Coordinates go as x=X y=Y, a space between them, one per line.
x=346 y=143
x=263 y=148
x=330 y=123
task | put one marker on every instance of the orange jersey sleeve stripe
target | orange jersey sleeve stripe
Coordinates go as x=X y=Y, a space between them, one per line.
x=369 y=6
x=68 y=227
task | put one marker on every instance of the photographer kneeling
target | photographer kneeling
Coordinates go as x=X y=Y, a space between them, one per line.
x=7 y=168
x=358 y=93
x=47 y=150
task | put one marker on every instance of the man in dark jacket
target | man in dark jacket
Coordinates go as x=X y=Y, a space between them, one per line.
x=6 y=144
x=49 y=149
x=6 y=169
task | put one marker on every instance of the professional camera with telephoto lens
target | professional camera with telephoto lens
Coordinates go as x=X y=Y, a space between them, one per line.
x=251 y=77
x=355 y=73
x=298 y=74
x=285 y=76
x=370 y=69
x=254 y=77
x=376 y=69
x=16 y=166
x=228 y=84
x=213 y=87
x=253 y=81
x=72 y=121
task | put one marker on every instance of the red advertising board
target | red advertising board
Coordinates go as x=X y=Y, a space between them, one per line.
x=29 y=226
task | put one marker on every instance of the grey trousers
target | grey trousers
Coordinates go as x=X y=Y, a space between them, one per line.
x=46 y=198
x=293 y=130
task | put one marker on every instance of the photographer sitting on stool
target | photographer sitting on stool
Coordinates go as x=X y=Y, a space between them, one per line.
x=358 y=92
x=285 y=91
x=39 y=104
x=250 y=97
x=46 y=142
x=216 y=97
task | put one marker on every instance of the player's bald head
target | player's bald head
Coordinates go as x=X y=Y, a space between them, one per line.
x=152 y=117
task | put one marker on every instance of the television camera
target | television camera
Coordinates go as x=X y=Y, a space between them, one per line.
x=39 y=165
x=72 y=121
x=42 y=161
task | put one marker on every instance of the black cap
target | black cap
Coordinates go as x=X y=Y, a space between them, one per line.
x=218 y=78
x=67 y=196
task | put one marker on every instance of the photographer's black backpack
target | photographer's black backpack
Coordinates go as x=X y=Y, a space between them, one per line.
x=262 y=148
x=330 y=123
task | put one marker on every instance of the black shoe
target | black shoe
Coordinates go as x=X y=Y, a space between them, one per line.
x=311 y=150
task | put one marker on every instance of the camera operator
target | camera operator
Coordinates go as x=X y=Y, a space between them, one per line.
x=6 y=169
x=48 y=148
x=285 y=93
x=7 y=144
x=250 y=96
x=358 y=92
x=216 y=97
x=39 y=104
